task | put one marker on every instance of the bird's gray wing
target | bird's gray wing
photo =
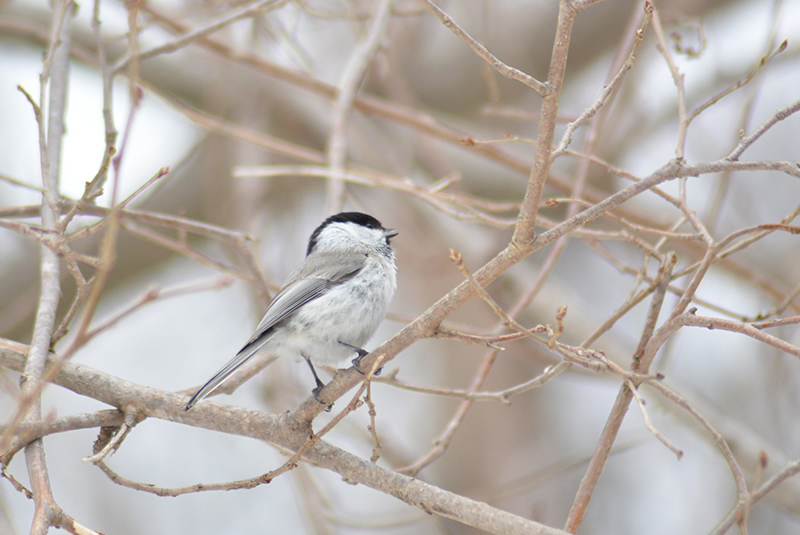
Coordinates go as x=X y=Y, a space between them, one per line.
x=318 y=273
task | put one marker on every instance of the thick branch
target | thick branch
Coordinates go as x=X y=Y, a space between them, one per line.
x=282 y=430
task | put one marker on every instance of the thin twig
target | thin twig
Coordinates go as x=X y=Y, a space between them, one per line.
x=738 y=85
x=609 y=88
x=484 y=54
x=640 y=402
x=640 y=365
x=254 y=8
x=746 y=141
x=790 y=470
x=55 y=76
x=677 y=78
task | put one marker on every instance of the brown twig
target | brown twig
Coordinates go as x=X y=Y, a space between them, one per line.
x=609 y=88
x=746 y=141
x=641 y=365
x=790 y=470
x=677 y=78
x=27 y=432
x=484 y=54
x=254 y=8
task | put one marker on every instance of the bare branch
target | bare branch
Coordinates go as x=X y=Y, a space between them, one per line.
x=746 y=141
x=677 y=78
x=608 y=89
x=285 y=430
x=790 y=470
x=55 y=75
x=484 y=54
x=640 y=365
x=259 y=6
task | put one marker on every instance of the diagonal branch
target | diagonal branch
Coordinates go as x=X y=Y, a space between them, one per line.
x=188 y=38
x=483 y=52
x=284 y=431
x=624 y=397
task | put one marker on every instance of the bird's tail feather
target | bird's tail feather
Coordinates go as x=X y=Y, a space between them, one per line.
x=226 y=371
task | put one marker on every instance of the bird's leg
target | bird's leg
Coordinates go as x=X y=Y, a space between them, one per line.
x=357 y=361
x=320 y=384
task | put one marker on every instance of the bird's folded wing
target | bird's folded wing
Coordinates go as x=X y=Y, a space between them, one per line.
x=319 y=273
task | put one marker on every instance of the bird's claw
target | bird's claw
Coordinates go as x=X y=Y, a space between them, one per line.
x=357 y=363
x=315 y=393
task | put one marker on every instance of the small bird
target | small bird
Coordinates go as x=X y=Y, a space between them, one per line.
x=332 y=304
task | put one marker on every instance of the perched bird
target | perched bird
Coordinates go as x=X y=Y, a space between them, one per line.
x=332 y=304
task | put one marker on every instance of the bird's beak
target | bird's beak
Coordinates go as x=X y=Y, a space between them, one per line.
x=390 y=233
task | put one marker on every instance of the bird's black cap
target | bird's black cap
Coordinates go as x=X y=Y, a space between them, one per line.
x=358 y=218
